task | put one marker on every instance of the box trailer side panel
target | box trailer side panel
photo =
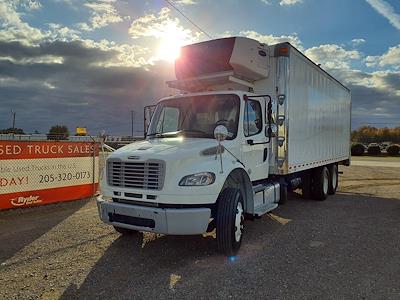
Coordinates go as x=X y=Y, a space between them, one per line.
x=318 y=112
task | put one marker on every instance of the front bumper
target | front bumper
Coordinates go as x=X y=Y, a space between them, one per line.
x=172 y=221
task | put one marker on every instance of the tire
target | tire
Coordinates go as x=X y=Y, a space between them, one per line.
x=306 y=185
x=229 y=223
x=283 y=193
x=320 y=183
x=333 y=179
x=124 y=231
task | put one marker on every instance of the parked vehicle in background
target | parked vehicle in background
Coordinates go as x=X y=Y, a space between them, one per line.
x=385 y=145
x=358 y=149
x=374 y=149
x=393 y=150
x=250 y=122
x=373 y=145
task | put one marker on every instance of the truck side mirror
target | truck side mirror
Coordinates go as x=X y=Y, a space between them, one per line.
x=220 y=133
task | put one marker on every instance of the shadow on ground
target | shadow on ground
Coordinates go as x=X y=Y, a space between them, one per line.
x=31 y=223
x=339 y=247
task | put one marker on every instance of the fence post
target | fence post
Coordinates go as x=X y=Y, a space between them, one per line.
x=94 y=168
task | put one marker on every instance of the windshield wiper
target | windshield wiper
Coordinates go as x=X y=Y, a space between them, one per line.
x=197 y=133
x=162 y=134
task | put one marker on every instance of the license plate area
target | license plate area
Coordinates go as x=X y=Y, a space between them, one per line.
x=135 y=221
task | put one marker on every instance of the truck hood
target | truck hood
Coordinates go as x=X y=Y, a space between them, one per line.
x=164 y=147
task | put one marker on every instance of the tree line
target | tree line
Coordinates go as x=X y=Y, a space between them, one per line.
x=56 y=132
x=369 y=134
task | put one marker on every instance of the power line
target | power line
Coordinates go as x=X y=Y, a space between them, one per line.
x=190 y=21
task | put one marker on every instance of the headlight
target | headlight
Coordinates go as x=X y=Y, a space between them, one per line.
x=198 y=179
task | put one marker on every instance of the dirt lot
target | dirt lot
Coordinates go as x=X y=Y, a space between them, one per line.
x=347 y=247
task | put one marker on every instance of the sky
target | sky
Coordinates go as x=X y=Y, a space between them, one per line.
x=92 y=62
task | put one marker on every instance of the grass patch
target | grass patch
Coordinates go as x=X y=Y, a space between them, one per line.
x=376 y=158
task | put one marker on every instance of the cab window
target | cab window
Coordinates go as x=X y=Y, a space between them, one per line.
x=252 y=118
x=169 y=120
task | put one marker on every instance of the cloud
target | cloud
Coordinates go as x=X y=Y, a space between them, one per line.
x=332 y=56
x=270 y=39
x=13 y=28
x=28 y=5
x=357 y=42
x=386 y=10
x=389 y=59
x=185 y=2
x=103 y=13
x=165 y=32
x=64 y=33
x=86 y=92
x=159 y=25
x=283 y=2
x=55 y=75
x=73 y=52
x=375 y=95
x=289 y=2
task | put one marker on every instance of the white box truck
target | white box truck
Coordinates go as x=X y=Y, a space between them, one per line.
x=250 y=122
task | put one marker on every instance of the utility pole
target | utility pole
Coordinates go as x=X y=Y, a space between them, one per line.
x=132 y=113
x=13 y=117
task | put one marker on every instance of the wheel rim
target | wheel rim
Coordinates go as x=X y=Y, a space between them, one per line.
x=325 y=183
x=239 y=218
x=334 y=178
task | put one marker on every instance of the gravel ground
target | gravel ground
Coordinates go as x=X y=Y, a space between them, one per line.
x=347 y=247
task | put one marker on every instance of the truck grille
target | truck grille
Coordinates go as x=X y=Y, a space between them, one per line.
x=147 y=175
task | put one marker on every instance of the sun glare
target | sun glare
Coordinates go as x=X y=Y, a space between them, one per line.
x=173 y=39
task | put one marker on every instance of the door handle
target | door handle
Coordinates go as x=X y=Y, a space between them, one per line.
x=251 y=143
x=265 y=154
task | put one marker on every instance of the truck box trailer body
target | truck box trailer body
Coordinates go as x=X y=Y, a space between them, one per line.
x=316 y=113
x=249 y=123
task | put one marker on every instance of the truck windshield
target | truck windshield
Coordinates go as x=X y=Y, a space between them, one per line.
x=195 y=116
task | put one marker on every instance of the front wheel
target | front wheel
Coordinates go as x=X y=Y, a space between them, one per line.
x=230 y=221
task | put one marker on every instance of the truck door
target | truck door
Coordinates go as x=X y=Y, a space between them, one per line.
x=254 y=149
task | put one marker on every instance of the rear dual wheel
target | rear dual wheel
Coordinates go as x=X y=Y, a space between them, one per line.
x=324 y=182
x=320 y=183
x=334 y=179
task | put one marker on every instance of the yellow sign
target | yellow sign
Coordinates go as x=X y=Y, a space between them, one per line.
x=81 y=131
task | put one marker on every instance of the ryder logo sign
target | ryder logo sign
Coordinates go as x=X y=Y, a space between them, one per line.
x=23 y=201
x=37 y=173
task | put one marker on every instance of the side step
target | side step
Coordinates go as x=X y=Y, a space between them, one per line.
x=263 y=209
x=265 y=198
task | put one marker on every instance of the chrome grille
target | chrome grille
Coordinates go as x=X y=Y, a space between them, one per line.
x=147 y=175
